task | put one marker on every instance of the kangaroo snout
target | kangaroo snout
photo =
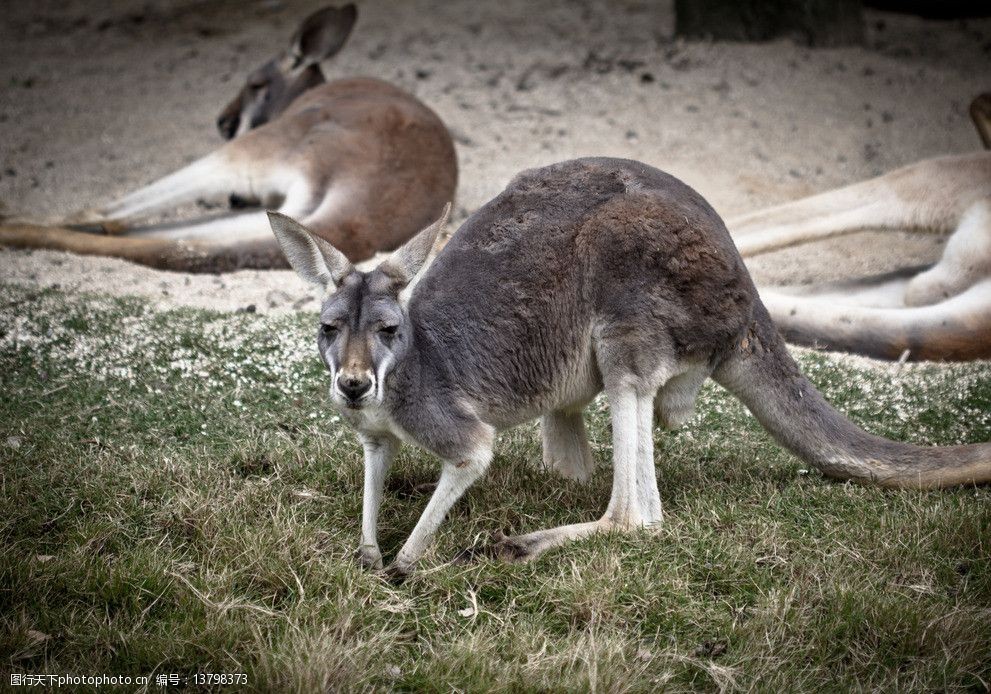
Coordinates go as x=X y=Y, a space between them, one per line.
x=354 y=386
x=227 y=125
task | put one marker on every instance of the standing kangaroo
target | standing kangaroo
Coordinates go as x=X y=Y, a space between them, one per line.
x=584 y=276
x=363 y=163
x=942 y=312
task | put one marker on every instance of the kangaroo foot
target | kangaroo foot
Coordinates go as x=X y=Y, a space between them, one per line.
x=499 y=547
x=396 y=573
x=521 y=548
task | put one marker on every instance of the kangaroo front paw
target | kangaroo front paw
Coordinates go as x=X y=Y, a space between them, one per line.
x=369 y=557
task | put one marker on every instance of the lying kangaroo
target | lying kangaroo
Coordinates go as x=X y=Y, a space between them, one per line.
x=943 y=312
x=584 y=276
x=364 y=163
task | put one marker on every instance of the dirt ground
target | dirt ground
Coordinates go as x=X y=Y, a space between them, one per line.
x=99 y=98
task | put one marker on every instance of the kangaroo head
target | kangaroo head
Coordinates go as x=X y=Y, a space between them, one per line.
x=365 y=329
x=271 y=87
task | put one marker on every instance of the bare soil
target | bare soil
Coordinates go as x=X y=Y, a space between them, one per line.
x=99 y=98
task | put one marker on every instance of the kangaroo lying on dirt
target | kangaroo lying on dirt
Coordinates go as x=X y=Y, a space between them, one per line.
x=584 y=276
x=364 y=163
x=941 y=312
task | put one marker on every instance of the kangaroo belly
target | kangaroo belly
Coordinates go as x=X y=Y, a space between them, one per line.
x=575 y=386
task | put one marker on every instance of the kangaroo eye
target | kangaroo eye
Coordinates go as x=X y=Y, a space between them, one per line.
x=388 y=330
x=328 y=330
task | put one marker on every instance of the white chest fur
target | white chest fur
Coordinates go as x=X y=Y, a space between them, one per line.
x=374 y=420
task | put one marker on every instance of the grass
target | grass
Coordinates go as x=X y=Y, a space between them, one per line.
x=177 y=498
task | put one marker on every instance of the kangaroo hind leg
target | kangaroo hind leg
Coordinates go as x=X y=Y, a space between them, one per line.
x=866 y=216
x=634 y=501
x=956 y=329
x=232 y=228
x=966 y=260
x=806 y=209
x=209 y=178
x=217 y=245
x=886 y=203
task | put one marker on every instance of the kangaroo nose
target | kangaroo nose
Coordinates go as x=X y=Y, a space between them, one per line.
x=227 y=125
x=353 y=386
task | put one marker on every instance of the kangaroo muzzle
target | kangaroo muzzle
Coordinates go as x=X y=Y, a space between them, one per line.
x=354 y=387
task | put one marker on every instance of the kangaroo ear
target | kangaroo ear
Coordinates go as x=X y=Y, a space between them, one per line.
x=407 y=261
x=311 y=257
x=322 y=34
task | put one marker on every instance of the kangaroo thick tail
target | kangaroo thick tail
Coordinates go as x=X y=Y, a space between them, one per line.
x=957 y=329
x=763 y=375
x=188 y=255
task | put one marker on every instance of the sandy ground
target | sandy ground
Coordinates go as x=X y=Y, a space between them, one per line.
x=99 y=98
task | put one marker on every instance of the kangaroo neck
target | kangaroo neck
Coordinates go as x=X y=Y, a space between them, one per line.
x=424 y=399
x=422 y=372
x=309 y=78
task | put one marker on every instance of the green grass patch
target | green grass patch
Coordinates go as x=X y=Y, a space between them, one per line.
x=177 y=497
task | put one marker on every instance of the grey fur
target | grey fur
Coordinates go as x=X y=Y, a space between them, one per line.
x=591 y=275
x=314 y=259
x=406 y=262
